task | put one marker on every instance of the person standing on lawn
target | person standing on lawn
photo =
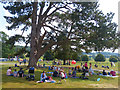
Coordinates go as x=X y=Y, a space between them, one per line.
x=62 y=74
x=86 y=66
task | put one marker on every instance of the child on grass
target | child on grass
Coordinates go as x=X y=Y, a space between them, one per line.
x=62 y=76
x=15 y=73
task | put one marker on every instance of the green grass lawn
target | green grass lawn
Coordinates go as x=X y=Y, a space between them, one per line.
x=16 y=82
x=78 y=63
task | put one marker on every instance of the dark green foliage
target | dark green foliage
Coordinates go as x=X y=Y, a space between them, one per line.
x=84 y=58
x=100 y=58
x=74 y=56
x=13 y=39
x=8 y=47
x=48 y=55
x=78 y=58
x=7 y=51
x=113 y=59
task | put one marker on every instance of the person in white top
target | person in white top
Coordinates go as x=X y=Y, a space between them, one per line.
x=62 y=76
x=9 y=72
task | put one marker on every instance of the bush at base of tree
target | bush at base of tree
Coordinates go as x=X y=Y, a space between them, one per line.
x=113 y=59
x=84 y=58
x=100 y=58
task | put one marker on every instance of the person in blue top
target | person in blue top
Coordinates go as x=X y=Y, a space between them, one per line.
x=43 y=76
x=20 y=72
x=24 y=61
x=74 y=73
x=15 y=73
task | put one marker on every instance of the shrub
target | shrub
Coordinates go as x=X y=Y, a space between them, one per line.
x=85 y=58
x=100 y=58
x=113 y=59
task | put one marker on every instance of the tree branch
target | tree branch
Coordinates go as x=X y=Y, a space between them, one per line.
x=53 y=28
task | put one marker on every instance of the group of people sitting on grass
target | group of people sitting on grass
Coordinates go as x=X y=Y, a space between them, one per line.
x=45 y=78
x=72 y=71
x=16 y=73
x=112 y=73
x=59 y=72
x=56 y=63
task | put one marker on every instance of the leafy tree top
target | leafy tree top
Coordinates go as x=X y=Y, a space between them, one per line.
x=84 y=58
x=81 y=21
x=55 y=23
x=113 y=59
x=100 y=58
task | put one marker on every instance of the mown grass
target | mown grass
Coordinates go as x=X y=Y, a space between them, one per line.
x=16 y=82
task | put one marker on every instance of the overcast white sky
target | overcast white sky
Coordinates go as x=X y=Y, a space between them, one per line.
x=105 y=5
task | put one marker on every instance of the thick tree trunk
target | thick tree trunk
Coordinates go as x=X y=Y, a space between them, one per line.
x=33 y=44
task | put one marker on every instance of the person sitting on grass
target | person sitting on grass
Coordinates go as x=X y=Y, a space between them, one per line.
x=49 y=68
x=55 y=73
x=52 y=67
x=83 y=69
x=108 y=67
x=44 y=65
x=70 y=71
x=20 y=73
x=9 y=72
x=43 y=76
x=24 y=60
x=84 y=74
x=104 y=73
x=55 y=68
x=15 y=73
x=16 y=65
x=73 y=73
x=96 y=65
x=113 y=73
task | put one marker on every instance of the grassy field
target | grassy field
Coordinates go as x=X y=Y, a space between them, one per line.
x=107 y=63
x=16 y=82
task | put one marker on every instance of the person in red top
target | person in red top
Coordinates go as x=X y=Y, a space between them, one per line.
x=113 y=73
x=86 y=65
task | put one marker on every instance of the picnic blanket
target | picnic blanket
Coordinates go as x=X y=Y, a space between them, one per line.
x=53 y=81
x=50 y=72
x=108 y=76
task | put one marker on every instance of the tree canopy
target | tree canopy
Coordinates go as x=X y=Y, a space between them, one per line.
x=81 y=23
x=6 y=48
x=113 y=59
x=49 y=55
x=100 y=58
x=84 y=58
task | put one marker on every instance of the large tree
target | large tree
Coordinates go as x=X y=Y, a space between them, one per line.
x=82 y=23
